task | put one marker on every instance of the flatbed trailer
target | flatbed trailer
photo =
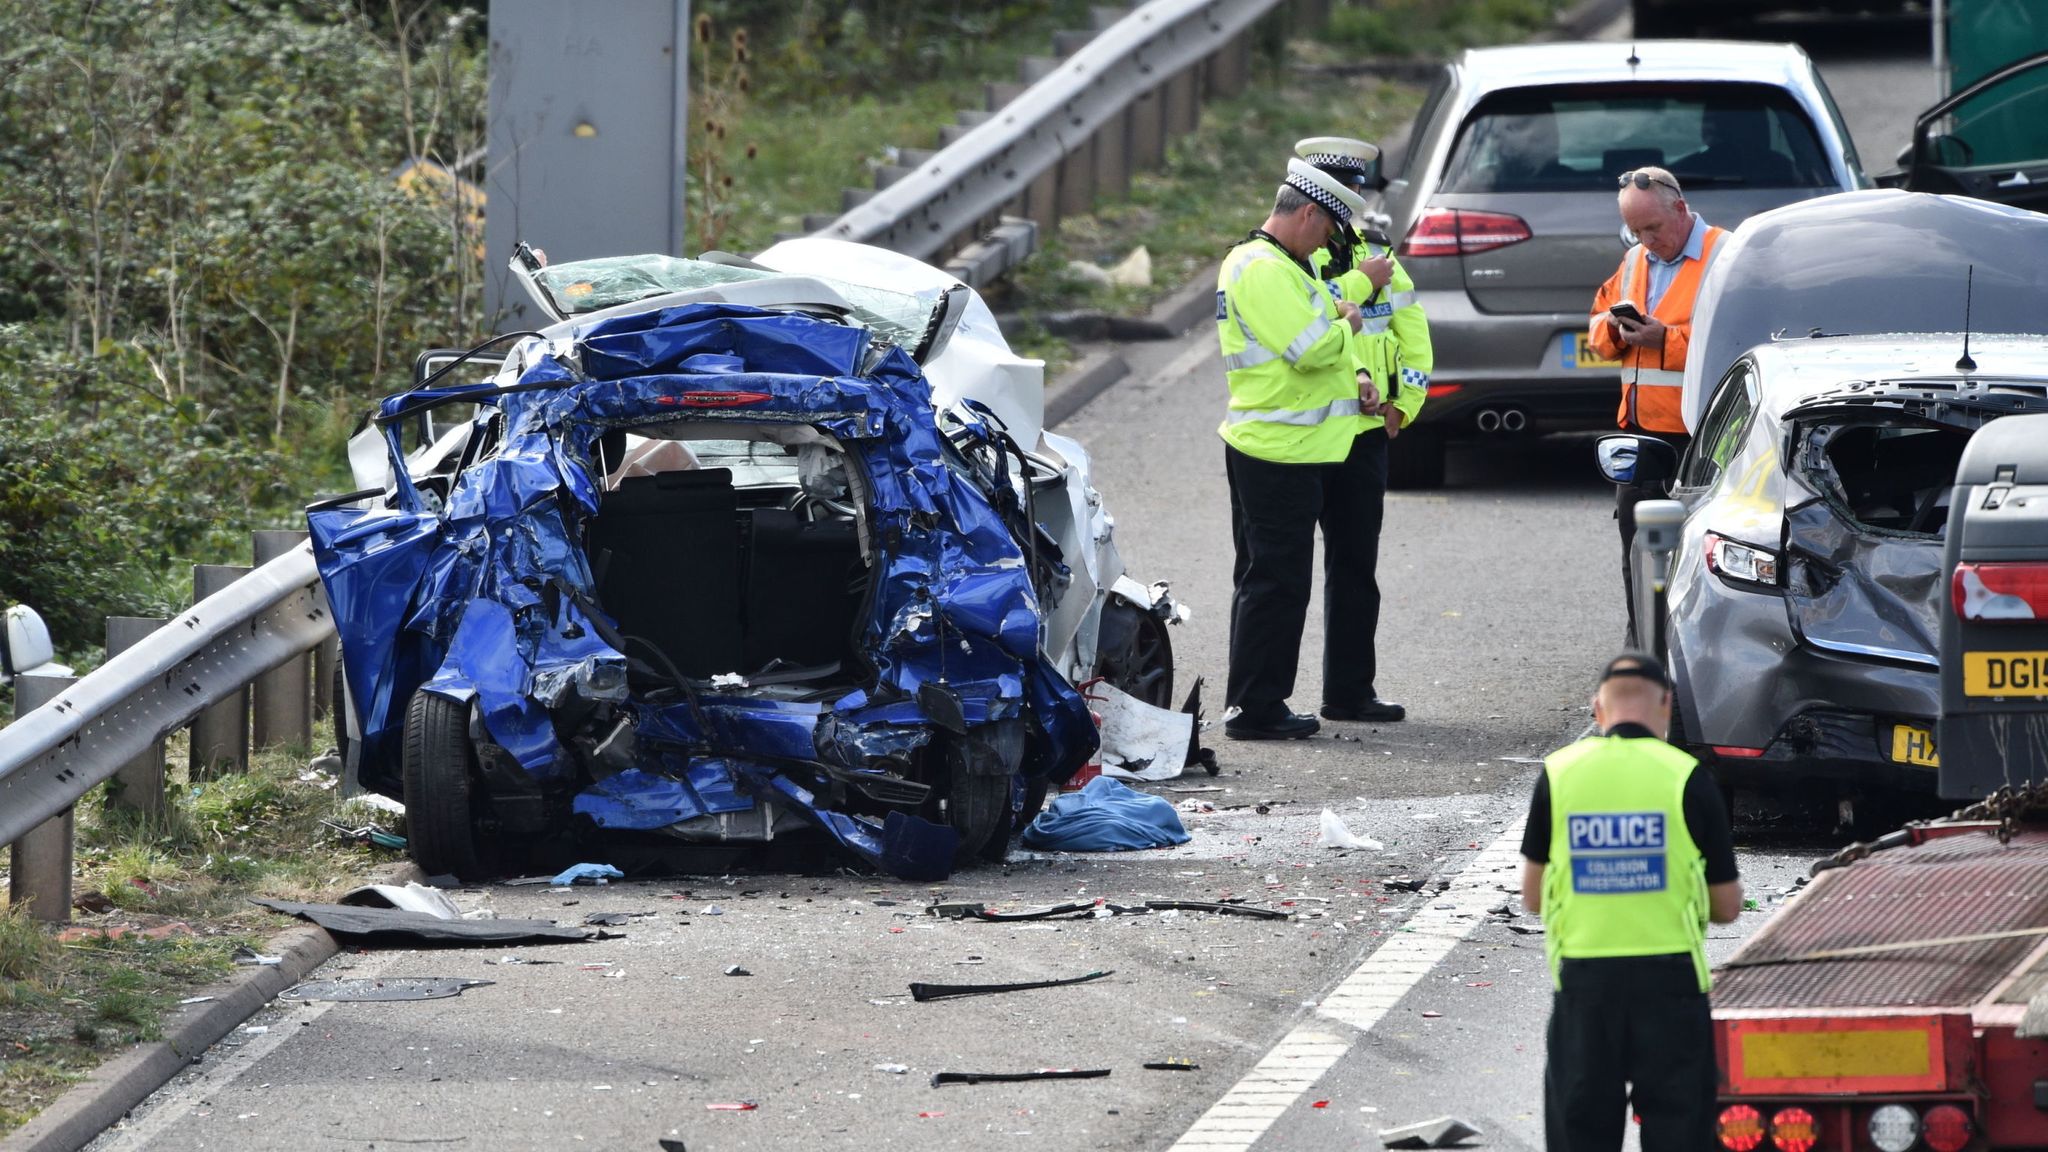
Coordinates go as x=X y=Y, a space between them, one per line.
x=1897 y=1002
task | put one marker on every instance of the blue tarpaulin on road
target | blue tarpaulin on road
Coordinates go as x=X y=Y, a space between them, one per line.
x=1106 y=816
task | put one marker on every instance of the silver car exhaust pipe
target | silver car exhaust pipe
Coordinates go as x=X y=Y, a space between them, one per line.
x=1488 y=420
x=1513 y=420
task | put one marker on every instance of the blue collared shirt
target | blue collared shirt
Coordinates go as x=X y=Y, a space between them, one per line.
x=1662 y=273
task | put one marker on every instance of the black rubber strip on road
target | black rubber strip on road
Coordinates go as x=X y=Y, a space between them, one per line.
x=924 y=992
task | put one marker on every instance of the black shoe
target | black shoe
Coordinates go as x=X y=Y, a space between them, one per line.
x=1280 y=725
x=1374 y=711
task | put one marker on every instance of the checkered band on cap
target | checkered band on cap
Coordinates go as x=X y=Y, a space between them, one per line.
x=1307 y=181
x=1332 y=160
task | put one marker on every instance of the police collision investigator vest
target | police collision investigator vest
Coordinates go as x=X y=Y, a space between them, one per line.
x=1624 y=877
x=1287 y=357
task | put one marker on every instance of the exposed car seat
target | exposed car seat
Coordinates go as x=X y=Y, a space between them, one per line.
x=804 y=587
x=666 y=553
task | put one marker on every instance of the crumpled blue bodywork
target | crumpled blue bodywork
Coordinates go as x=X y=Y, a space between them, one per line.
x=482 y=598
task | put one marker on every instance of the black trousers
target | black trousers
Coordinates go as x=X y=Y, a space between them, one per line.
x=1274 y=512
x=1626 y=497
x=1629 y=1031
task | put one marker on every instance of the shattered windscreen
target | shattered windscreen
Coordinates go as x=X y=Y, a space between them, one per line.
x=585 y=286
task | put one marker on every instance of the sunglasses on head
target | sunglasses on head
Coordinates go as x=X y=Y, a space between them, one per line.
x=1643 y=180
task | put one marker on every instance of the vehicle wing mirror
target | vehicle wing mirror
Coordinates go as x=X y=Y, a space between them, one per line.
x=1639 y=461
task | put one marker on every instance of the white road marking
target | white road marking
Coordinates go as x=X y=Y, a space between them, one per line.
x=1291 y=1069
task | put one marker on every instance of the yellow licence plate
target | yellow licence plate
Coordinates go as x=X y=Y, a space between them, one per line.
x=1576 y=351
x=2005 y=674
x=1912 y=745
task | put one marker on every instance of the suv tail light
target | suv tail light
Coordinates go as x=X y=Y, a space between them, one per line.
x=1462 y=232
x=2000 y=591
x=1946 y=1128
x=1739 y=563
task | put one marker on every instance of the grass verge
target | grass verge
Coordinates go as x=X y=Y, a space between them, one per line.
x=160 y=909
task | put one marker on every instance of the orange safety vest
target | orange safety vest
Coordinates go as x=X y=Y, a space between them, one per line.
x=1652 y=379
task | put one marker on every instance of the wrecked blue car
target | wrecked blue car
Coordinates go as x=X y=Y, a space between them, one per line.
x=731 y=551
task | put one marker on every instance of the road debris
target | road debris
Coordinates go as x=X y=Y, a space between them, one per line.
x=592 y=873
x=389 y=988
x=1442 y=1132
x=1176 y=1064
x=732 y=1106
x=736 y=970
x=250 y=958
x=1106 y=816
x=1336 y=835
x=372 y=926
x=942 y=1078
x=894 y=1069
x=1251 y=910
x=923 y=992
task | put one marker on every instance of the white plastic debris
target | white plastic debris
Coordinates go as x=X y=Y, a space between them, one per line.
x=1336 y=835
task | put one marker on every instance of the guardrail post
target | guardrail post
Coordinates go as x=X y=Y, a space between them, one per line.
x=1042 y=200
x=1229 y=67
x=1148 y=129
x=220 y=735
x=1077 y=180
x=326 y=658
x=138 y=784
x=1183 y=101
x=283 y=695
x=1113 y=156
x=39 y=866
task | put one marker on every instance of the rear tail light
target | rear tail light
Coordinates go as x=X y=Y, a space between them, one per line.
x=1894 y=1128
x=1462 y=232
x=1794 y=1130
x=2000 y=591
x=1946 y=1128
x=1740 y=1128
x=1436 y=390
x=1738 y=753
x=1740 y=563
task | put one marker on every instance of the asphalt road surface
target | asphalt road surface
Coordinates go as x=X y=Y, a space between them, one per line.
x=1383 y=1003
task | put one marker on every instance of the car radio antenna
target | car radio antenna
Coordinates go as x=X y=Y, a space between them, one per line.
x=1969 y=280
x=1633 y=58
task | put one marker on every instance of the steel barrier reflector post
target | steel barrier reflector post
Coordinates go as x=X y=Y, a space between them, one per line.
x=39 y=866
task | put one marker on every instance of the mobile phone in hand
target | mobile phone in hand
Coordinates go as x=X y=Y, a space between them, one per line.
x=1626 y=311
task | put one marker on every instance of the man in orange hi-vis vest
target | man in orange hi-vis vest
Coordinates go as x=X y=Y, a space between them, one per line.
x=1642 y=317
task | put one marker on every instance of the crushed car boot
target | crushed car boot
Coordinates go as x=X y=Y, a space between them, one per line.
x=1374 y=711
x=1275 y=723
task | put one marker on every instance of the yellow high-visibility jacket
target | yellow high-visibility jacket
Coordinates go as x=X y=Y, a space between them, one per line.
x=1288 y=358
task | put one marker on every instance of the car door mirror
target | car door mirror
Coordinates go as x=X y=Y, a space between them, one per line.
x=1637 y=461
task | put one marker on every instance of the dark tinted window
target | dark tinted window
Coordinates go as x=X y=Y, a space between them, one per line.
x=1580 y=137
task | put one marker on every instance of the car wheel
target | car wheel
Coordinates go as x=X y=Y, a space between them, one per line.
x=1134 y=652
x=1415 y=460
x=442 y=797
x=979 y=767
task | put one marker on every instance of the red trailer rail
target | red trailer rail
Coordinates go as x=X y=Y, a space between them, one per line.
x=1886 y=1007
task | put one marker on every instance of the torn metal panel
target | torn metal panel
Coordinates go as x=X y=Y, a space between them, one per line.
x=1139 y=741
x=394 y=926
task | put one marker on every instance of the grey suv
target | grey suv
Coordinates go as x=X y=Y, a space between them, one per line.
x=1505 y=202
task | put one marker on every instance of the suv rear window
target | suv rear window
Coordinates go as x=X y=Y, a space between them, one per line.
x=1581 y=137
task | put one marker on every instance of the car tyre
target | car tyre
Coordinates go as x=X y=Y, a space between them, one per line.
x=1415 y=460
x=442 y=796
x=978 y=798
x=1134 y=652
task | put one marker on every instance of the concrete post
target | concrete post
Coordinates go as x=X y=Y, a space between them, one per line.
x=283 y=696
x=1042 y=200
x=139 y=784
x=39 y=866
x=220 y=736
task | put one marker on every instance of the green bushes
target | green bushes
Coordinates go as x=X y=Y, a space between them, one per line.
x=208 y=256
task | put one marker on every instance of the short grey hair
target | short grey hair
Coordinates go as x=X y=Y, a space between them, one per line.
x=1662 y=182
x=1289 y=199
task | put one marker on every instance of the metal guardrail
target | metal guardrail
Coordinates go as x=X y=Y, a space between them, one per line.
x=52 y=755
x=970 y=181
